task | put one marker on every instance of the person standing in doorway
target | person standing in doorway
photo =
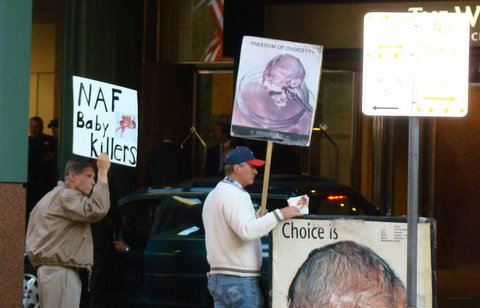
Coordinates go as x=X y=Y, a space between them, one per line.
x=53 y=125
x=42 y=171
x=216 y=153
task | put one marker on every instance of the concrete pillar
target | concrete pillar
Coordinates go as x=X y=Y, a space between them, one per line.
x=14 y=95
x=12 y=228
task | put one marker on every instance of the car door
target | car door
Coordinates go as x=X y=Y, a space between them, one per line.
x=175 y=264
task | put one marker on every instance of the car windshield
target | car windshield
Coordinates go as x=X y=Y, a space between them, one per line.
x=179 y=217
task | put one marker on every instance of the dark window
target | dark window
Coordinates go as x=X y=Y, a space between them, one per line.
x=140 y=214
x=179 y=217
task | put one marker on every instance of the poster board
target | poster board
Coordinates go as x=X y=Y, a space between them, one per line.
x=105 y=119
x=386 y=240
x=276 y=90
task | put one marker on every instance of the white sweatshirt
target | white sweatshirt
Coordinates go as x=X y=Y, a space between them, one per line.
x=232 y=232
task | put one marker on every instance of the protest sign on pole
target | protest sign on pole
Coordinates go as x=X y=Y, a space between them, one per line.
x=276 y=90
x=105 y=119
x=276 y=94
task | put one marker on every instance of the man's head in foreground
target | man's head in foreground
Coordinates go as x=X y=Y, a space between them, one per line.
x=80 y=175
x=240 y=165
x=346 y=274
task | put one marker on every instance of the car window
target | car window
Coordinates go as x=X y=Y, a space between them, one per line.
x=141 y=215
x=179 y=217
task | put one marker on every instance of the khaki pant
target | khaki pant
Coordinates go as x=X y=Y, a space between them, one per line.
x=60 y=287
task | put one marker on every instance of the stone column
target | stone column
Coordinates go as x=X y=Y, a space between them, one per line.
x=12 y=228
x=14 y=101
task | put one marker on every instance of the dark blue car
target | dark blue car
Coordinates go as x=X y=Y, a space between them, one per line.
x=170 y=234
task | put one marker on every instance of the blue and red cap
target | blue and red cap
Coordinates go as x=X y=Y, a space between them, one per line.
x=243 y=154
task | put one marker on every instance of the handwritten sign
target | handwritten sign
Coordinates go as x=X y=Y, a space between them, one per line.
x=105 y=119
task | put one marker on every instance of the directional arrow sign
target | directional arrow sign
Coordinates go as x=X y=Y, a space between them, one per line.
x=415 y=64
x=383 y=107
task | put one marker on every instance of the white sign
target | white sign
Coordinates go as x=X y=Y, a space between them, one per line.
x=105 y=119
x=276 y=90
x=342 y=262
x=416 y=64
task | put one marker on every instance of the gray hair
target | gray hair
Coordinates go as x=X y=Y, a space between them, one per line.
x=228 y=168
x=342 y=273
x=77 y=165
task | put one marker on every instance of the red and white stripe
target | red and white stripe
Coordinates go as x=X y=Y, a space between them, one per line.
x=214 y=49
x=216 y=9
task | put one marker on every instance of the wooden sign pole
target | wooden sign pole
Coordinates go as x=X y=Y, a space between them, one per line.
x=266 y=177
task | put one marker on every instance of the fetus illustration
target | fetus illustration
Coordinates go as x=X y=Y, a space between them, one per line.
x=127 y=122
x=282 y=78
x=275 y=97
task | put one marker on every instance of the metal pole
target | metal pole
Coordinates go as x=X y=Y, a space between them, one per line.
x=412 y=218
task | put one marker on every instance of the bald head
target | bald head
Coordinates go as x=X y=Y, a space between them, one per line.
x=346 y=274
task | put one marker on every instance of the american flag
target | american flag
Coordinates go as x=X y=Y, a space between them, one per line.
x=214 y=49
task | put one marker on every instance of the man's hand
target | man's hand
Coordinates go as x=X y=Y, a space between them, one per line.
x=290 y=211
x=103 y=165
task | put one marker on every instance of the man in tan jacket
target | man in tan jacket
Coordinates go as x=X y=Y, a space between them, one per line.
x=59 y=241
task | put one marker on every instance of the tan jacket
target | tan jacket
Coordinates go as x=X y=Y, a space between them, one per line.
x=59 y=227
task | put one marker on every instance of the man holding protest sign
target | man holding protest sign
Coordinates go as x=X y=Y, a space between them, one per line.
x=59 y=240
x=233 y=232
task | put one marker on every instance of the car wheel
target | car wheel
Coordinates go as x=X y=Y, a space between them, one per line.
x=31 y=297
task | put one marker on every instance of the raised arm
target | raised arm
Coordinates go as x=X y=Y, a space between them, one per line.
x=103 y=165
